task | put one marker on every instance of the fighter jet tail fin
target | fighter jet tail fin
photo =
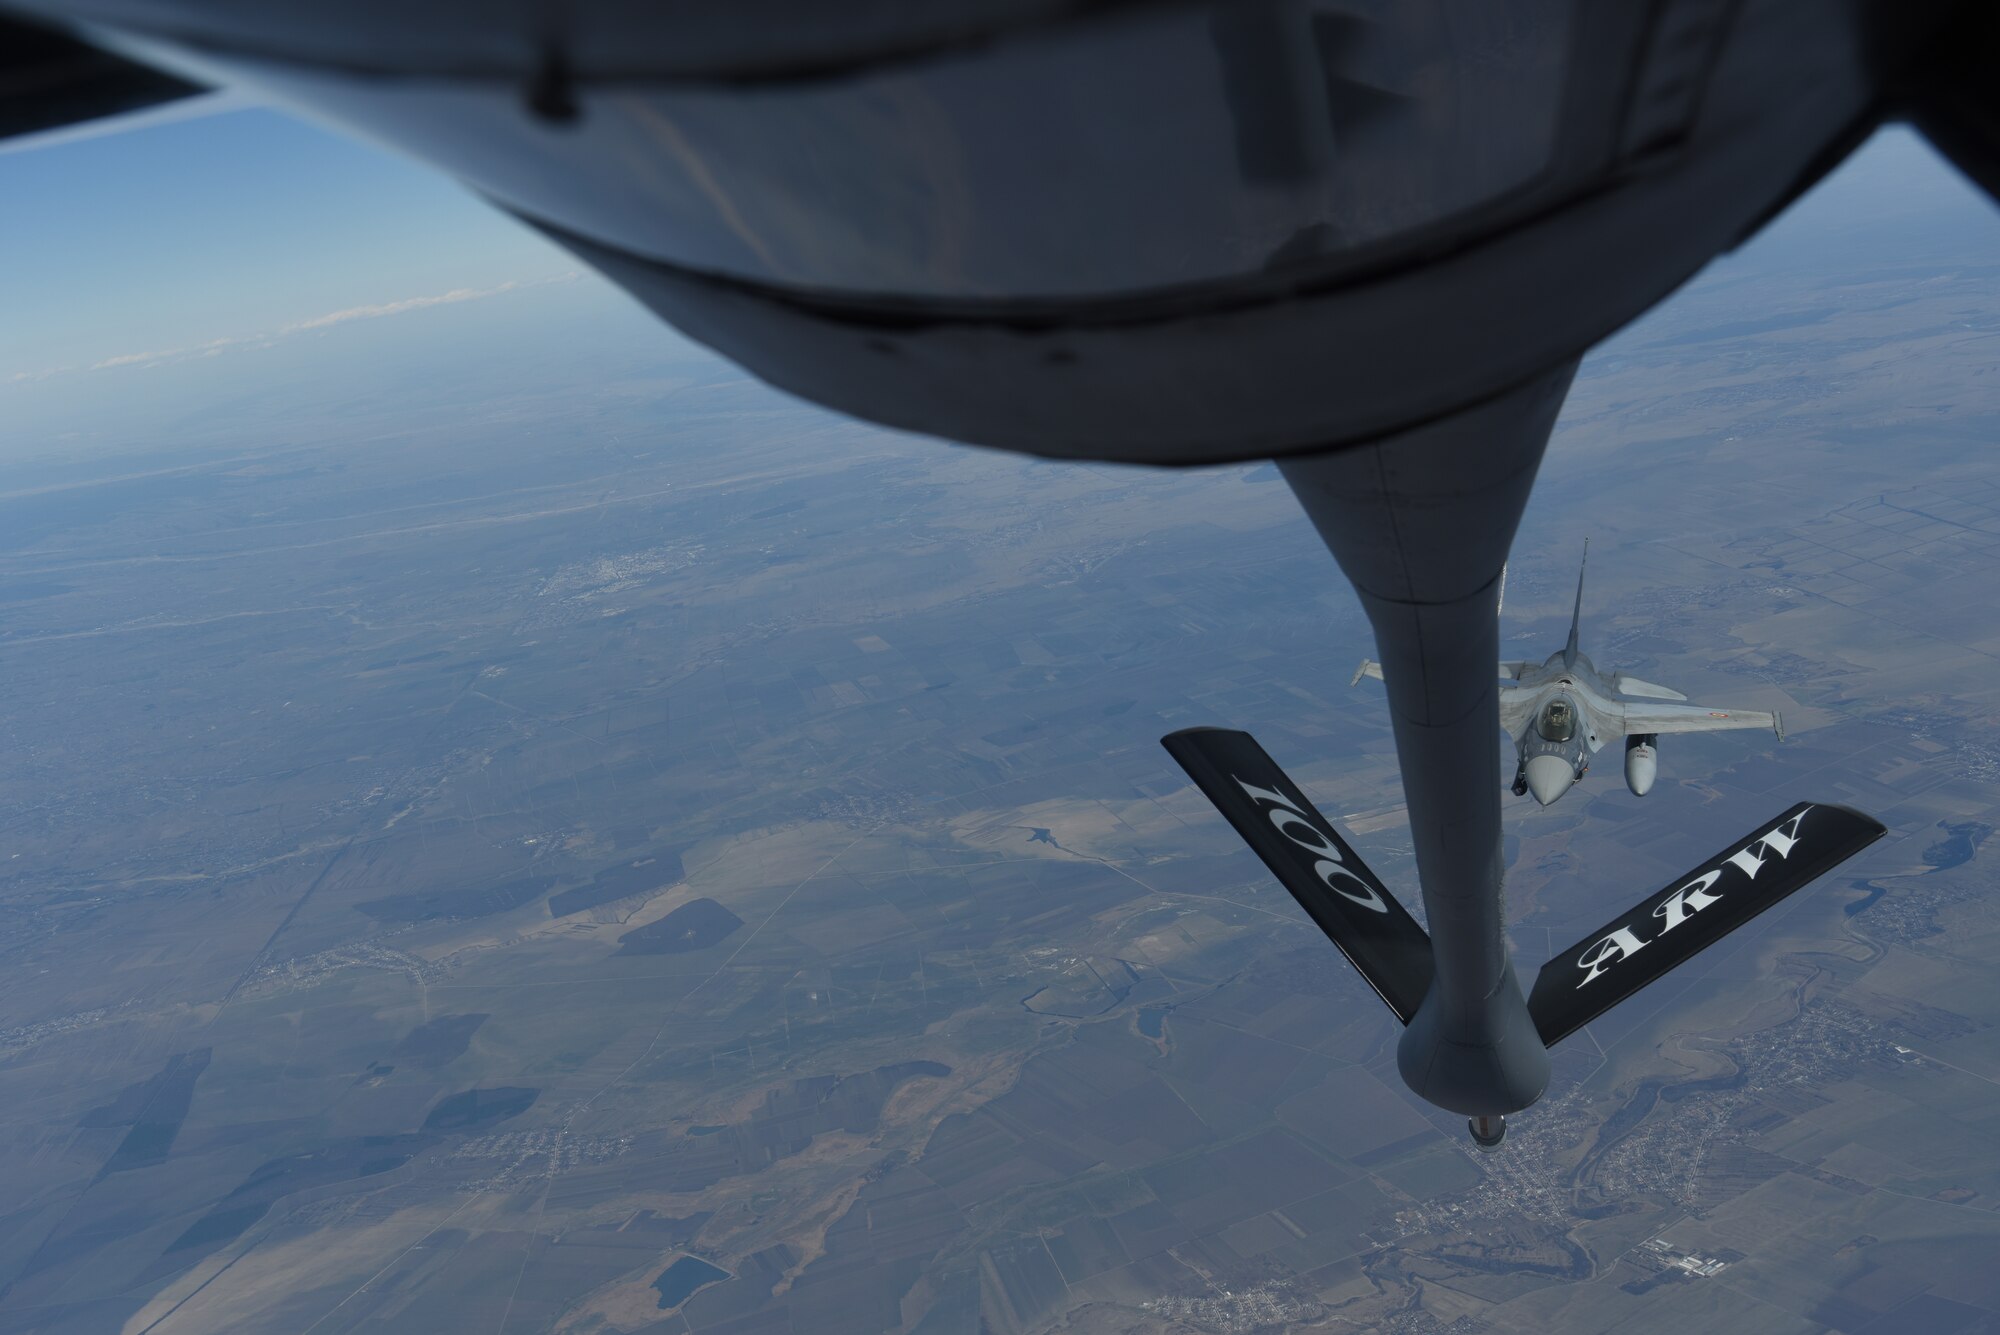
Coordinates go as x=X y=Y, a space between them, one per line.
x=1576 y=615
x=1309 y=857
x=1694 y=912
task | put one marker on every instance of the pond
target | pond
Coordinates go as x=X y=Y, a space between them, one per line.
x=678 y=1282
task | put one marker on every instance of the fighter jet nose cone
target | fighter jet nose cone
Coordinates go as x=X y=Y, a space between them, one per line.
x=1549 y=777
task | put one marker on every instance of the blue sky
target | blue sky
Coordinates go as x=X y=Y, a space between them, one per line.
x=224 y=226
x=149 y=271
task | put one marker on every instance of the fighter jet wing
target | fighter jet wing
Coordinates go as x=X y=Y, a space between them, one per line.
x=1508 y=671
x=1655 y=718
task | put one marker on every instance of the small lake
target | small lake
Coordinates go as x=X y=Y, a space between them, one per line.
x=678 y=1282
x=1959 y=846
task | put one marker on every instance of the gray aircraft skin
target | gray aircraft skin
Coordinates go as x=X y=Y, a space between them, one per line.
x=1369 y=242
x=1563 y=711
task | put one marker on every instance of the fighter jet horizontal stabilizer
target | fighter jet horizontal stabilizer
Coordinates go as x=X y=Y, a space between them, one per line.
x=1695 y=912
x=1312 y=861
x=1627 y=685
x=1508 y=671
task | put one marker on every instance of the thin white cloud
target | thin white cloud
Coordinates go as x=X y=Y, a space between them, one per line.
x=398 y=307
x=217 y=346
x=136 y=358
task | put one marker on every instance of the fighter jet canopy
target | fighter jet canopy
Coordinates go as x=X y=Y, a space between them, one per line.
x=1558 y=720
x=1154 y=230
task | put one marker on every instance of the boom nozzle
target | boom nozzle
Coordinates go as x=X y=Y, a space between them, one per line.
x=1487 y=1132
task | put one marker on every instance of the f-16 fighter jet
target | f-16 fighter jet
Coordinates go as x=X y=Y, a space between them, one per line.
x=1563 y=711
